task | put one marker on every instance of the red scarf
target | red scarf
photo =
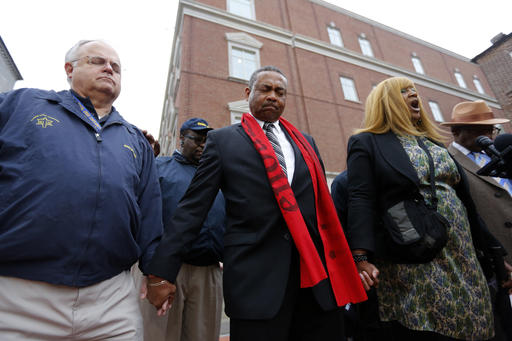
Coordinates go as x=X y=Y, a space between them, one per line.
x=345 y=280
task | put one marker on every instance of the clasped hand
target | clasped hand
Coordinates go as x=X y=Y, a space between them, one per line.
x=369 y=274
x=159 y=292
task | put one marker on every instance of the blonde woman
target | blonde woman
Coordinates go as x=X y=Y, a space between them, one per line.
x=446 y=298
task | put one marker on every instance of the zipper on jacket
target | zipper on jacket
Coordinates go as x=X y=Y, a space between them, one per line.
x=98 y=197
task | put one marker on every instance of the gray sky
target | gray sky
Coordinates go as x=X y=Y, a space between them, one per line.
x=38 y=34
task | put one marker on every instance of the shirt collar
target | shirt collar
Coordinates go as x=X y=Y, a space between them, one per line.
x=86 y=101
x=461 y=148
x=261 y=123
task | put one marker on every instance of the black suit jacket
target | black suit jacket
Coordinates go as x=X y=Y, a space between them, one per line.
x=380 y=175
x=257 y=244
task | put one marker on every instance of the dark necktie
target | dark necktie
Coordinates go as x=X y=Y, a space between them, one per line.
x=269 y=131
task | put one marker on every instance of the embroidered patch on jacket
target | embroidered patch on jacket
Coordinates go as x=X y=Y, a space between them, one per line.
x=131 y=149
x=44 y=120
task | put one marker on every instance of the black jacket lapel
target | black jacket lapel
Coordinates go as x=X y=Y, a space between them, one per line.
x=394 y=154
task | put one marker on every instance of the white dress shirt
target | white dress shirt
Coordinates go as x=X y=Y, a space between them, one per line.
x=286 y=148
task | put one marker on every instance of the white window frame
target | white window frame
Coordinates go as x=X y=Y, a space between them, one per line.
x=244 y=42
x=335 y=36
x=418 y=66
x=460 y=79
x=366 y=46
x=348 y=86
x=232 y=60
x=436 y=111
x=478 y=85
x=230 y=9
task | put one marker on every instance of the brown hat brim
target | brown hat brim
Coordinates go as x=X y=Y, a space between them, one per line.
x=483 y=122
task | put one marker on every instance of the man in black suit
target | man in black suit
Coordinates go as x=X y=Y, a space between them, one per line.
x=276 y=259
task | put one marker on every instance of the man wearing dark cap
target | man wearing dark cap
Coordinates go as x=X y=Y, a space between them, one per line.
x=197 y=307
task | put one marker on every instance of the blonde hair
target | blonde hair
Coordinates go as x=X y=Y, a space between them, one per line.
x=386 y=110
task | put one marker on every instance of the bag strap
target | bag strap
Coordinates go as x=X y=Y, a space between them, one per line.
x=431 y=171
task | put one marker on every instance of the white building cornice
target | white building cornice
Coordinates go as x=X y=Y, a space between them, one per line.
x=267 y=31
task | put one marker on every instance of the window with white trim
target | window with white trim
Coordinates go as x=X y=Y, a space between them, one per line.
x=244 y=54
x=460 y=79
x=366 y=47
x=436 y=111
x=243 y=8
x=478 y=85
x=243 y=62
x=335 y=36
x=349 y=89
x=418 y=67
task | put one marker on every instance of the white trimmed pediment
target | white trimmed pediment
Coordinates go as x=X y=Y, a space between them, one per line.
x=244 y=39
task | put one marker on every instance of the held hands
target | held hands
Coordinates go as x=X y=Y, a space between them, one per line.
x=508 y=284
x=369 y=274
x=159 y=292
x=367 y=271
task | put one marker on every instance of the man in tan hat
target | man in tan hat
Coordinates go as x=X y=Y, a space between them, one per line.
x=492 y=196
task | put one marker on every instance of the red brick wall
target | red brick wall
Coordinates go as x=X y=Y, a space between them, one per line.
x=497 y=65
x=315 y=102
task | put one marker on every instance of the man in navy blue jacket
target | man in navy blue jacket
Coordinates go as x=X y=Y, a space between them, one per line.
x=79 y=205
x=197 y=307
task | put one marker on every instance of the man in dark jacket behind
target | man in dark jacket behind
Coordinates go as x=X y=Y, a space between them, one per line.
x=197 y=307
x=79 y=205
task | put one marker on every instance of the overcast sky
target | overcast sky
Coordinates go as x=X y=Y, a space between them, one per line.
x=38 y=34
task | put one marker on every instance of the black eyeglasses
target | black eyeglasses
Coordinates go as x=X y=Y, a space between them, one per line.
x=100 y=61
x=197 y=139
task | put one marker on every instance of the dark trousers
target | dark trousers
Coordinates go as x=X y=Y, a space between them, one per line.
x=300 y=318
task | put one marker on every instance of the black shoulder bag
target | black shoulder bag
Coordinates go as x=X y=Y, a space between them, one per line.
x=417 y=231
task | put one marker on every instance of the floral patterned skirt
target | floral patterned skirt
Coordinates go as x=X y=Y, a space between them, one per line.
x=449 y=295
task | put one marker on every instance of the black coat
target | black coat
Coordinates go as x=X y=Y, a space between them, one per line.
x=380 y=175
x=257 y=244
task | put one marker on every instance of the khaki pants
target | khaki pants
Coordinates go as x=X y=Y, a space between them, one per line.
x=32 y=310
x=196 y=310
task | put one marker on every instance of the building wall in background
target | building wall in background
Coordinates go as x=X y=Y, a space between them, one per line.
x=496 y=63
x=293 y=35
x=9 y=73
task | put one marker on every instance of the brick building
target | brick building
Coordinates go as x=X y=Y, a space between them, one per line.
x=9 y=73
x=496 y=63
x=332 y=58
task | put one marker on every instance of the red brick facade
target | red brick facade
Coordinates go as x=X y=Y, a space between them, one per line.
x=294 y=37
x=496 y=63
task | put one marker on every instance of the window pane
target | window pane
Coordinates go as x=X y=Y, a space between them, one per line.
x=349 y=89
x=243 y=63
x=478 y=85
x=436 y=111
x=460 y=80
x=417 y=65
x=366 y=48
x=335 y=36
x=241 y=7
